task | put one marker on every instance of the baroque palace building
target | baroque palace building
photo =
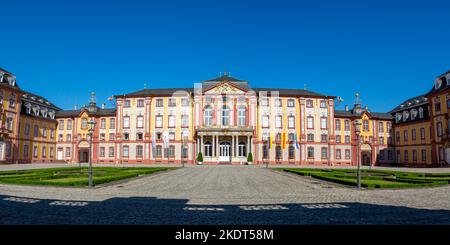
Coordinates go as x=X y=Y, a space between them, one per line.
x=225 y=120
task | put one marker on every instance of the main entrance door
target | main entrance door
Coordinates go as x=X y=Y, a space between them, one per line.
x=224 y=152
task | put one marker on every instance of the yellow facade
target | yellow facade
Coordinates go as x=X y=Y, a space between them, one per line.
x=39 y=146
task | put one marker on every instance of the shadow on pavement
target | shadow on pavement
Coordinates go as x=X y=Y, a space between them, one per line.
x=154 y=211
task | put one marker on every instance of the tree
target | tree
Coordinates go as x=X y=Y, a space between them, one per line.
x=200 y=157
x=250 y=157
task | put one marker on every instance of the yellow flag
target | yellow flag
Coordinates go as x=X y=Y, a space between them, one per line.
x=283 y=140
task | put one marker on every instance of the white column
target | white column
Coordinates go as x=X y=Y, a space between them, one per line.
x=236 y=145
x=198 y=147
x=232 y=146
x=201 y=144
x=248 y=144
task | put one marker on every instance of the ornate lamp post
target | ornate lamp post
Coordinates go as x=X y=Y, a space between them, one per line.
x=91 y=132
x=358 y=173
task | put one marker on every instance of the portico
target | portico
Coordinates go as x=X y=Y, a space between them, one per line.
x=224 y=146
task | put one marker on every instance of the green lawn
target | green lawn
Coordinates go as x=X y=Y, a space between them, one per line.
x=74 y=176
x=375 y=178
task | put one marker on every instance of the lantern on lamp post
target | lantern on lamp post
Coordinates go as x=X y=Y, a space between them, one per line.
x=358 y=133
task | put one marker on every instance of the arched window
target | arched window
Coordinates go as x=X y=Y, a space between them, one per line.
x=242 y=149
x=291 y=152
x=207 y=116
x=225 y=115
x=278 y=154
x=208 y=149
x=242 y=116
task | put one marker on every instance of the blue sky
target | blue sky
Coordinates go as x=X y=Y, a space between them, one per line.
x=387 y=51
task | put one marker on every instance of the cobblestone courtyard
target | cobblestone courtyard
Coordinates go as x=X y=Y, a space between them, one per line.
x=223 y=195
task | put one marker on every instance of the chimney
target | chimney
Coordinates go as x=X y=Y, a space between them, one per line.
x=346 y=107
x=75 y=107
x=103 y=105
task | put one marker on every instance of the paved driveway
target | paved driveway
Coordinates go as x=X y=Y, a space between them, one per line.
x=222 y=195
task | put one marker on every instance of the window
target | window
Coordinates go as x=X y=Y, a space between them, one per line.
x=324 y=152
x=439 y=129
x=9 y=123
x=390 y=155
x=27 y=129
x=84 y=123
x=111 y=151
x=35 y=151
x=171 y=136
x=310 y=152
x=242 y=149
x=323 y=137
x=44 y=132
x=413 y=134
x=278 y=123
x=291 y=137
x=278 y=137
x=140 y=103
x=103 y=123
x=60 y=137
x=171 y=121
x=36 y=131
x=405 y=155
x=422 y=133
x=139 y=122
x=225 y=115
x=347 y=154
x=265 y=102
x=158 y=151
x=69 y=124
x=366 y=125
x=323 y=123
x=25 y=151
x=278 y=152
x=159 y=121
x=370 y=139
x=102 y=137
x=338 y=139
x=126 y=151
x=67 y=151
x=424 y=155
x=310 y=137
x=309 y=103
x=265 y=121
x=405 y=135
x=61 y=125
x=291 y=103
x=69 y=137
x=347 y=125
x=44 y=152
x=52 y=133
x=171 y=151
x=347 y=139
x=380 y=127
x=323 y=104
x=337 y=124
x=139 y=151
x=291 y=122
x=310 y=122
x=172 y=102
x=437 y=105
x=112 y=123
x=397 y=137
x=265 y=151
x=420 y=112
x=381 y=154
x=208 y=149
x=159 y=103
x=127 y=104
x=184 y=121
x=338 y=154
x=207 y=116
x=381 y=140
x=111 y=137
x=441 y=154
x=126 y=122
x=278 y=103
x=389 y=140
x=242 y=116
x=12 y=102
x=184 y=102
x=102 y=151
x=414 y=152
x=291 y=152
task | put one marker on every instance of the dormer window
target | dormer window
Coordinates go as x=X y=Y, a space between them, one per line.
x=28 y=108
x=1 y=77
x=12 y=102
x=413 y=114
x=12 y=81
x=437 y=83
x=1 y=97
x=36 y=110
x=51 y=114
x=405 y=115
x=420 y=112
x=398 y=117
x=44 y=112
